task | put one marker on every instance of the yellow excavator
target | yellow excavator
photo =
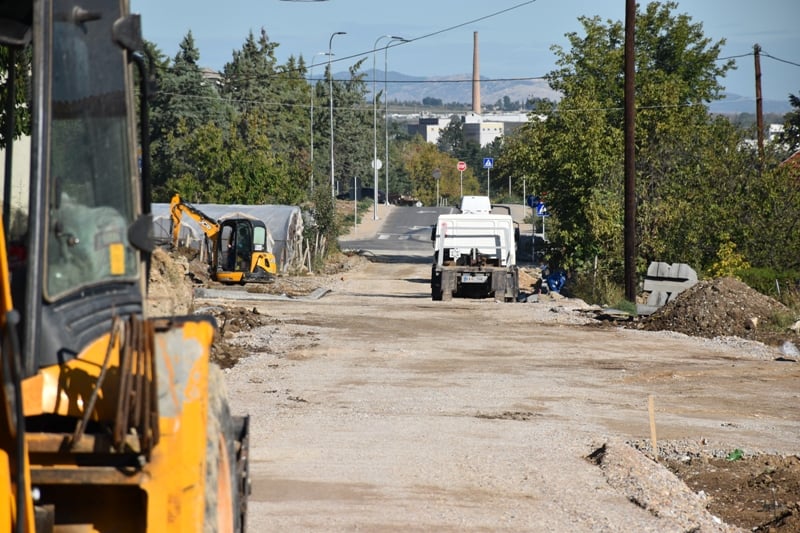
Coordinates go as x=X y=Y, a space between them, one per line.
x=239 y=245
x=110 y=420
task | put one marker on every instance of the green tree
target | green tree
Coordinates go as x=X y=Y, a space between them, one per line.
x=353 y=121
x=576 y=153
x=453 y=142
x=420 y=159
x=248 y=79
x=791 y=126
x=234 y=166
x=185 y=101
x=255 y=82
x=22 y=115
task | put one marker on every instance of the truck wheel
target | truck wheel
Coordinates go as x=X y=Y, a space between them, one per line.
x=222 y=498
x=447 y=286
x=436 y=285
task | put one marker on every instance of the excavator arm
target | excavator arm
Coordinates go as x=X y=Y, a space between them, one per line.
x=178 y=208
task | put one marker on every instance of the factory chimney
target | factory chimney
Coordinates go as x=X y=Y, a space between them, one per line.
x=476 y=77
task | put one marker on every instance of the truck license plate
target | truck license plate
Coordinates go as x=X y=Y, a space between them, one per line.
x=473 y=278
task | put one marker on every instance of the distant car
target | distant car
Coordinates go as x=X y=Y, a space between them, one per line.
x=363 y=193
x=404 y=199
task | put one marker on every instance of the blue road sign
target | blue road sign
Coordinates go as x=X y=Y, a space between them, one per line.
x=541 y=210
x=488 y=162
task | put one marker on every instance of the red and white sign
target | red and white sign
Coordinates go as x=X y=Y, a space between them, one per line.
x=462 y=166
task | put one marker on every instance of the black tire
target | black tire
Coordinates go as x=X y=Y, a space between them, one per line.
x=221 y=508
x=436 y=285
x=446 y=287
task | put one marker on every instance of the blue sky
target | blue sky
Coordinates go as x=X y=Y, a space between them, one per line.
x=513 y=44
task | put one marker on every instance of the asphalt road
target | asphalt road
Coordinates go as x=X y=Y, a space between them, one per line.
x=403 y=235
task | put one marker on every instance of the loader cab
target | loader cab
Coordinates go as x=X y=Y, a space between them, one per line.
x=74 y=212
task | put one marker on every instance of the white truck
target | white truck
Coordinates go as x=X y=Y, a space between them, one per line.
x=474 y=257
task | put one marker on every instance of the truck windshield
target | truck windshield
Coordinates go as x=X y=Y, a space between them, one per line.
x=91 y=200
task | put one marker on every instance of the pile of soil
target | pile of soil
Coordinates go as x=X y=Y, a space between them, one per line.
x=722 y=307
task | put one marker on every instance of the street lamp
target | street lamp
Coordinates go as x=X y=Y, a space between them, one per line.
x=375 y=165
x=330 y=89
x=313 y=88
x=386 y=104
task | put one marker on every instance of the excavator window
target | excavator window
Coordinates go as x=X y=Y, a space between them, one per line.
x=259 y=239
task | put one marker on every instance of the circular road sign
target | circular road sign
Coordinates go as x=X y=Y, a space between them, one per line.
x=462 y=166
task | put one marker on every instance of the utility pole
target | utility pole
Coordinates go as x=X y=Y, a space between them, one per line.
x=630 y=152
x=759 y=110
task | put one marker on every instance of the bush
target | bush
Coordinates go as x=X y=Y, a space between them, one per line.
x=598 y=289
x=783 y=286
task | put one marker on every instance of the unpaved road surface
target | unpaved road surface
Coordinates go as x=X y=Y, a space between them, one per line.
x=375 y=409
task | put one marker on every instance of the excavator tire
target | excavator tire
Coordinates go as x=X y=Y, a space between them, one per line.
x=222 y=498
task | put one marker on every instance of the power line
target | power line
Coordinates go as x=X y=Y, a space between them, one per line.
x=433 y=81
x=763 y=54
x=439 y=32
x=421 y=37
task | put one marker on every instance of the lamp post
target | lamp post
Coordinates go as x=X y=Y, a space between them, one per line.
x=330 y=89
x=386 y=104
x=311 y=116
x=375 y=166
x=436 y=175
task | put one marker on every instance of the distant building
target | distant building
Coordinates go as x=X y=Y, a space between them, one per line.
x=482 y=129
x=774 y=131
x=429 y=128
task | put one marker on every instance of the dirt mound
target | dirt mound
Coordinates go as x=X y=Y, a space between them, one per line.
x=757 y=494
x=226 y=350
x=169 y=291
x=717 y=308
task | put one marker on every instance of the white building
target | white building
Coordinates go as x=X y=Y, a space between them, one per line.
x=482 y=129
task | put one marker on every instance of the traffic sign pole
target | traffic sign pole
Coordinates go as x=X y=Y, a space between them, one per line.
x=461 y=167
x=488 y=163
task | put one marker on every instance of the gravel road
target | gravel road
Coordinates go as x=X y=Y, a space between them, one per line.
x=375 y=409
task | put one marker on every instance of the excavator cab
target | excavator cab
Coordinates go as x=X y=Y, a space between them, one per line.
x=110 y=420
x=242 y=255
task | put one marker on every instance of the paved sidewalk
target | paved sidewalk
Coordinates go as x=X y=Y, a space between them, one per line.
x=368 y=227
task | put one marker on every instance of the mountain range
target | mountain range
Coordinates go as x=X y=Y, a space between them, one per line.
x=457 y=88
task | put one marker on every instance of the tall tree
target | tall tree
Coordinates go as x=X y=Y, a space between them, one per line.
x=277 y=95
x=353 y=139
x=248 y=79
x=578 y=148
x=185 y=101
